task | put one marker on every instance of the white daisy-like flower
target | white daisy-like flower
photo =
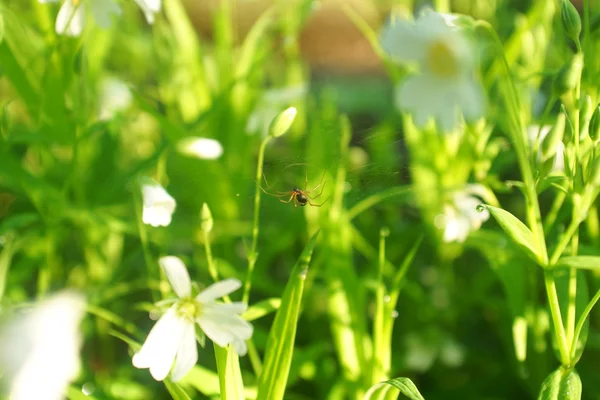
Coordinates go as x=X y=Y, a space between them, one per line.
x=158 y=205
x=559 y=159
x=173 y=338
x=202 y=148
x=39 y=349
x=460 y=215
x=115 y=96
x=270 y=105
x=71 y=17
x=444 y=88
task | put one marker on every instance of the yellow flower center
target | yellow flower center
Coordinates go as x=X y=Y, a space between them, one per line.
x=189 y=309
x=441 y=60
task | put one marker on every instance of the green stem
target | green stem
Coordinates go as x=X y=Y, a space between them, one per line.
x=559 y=329
x=252 y=255
x=372 y=200
x=581 y=321
x=518 y=138
x=564 y=241
x=212 y=268
x=554 y=210
x=380 y=355
x=144 y=240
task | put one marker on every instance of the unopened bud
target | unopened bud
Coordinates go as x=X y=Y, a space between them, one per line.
x=571 y=20
x=595 y=171
x=568 y=76
x=206 y=219
x=585 y=114
x=594 y=128
x=553 y=138
x=568 y=135
x=282 y=122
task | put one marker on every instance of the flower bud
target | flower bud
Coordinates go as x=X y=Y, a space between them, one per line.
x=594 y=128
x=571 y=20
x=585 y=114
x=553 y=138
x=206 y=219
x=282 y=122
x=568 y=75
x=595 y=171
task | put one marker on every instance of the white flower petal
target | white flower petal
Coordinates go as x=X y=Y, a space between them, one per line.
x=177 y=274
x=158 y=204
x=227 y=321
x=202 y=148
x=187 y=354
x=240 y=347
x=215 y=333
x=150 y=8
x=218 y=289
x=103 y=11
x=39 y=349
x=402 y=42
x=70 y=19
x=471 y=100
x=161 y=345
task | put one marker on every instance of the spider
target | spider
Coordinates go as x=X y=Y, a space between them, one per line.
x=300 y=197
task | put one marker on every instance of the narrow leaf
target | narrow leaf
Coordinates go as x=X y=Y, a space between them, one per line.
x=580 y=262
x=176 y=391
x=404 y=385
x=261 y=309
x=230 y=375
x=516 y=230
x=562 y=384
x=280 y=345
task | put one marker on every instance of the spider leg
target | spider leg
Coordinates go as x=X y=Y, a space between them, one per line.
x=318 y=186
x=275 y=193
x=318 y=205
x=292 y=197
x=321 y=192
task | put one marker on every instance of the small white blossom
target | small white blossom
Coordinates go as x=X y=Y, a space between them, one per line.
x=114 y=97
x=150 y=8
x=39 y=349
x=72 y=14
x=202 y=148
x=559 y=159
x=158 y=205
x=460 y=216
x=444 y=88
x=173 y=339
x=272 y=102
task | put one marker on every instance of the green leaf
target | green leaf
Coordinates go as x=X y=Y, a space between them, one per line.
x=582 y=298
x=580 y=262
x=404 y=386
x=261 y=309
x=280 y=345
x=74 y=393
x=176 y=391
x=517 y=231
x=562 y=384
x=230 y=375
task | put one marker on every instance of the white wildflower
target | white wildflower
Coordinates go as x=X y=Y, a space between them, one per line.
x=202 y=148
x=460 y=216
x=72 y=14
x=158 y=205
x=39 y=349
x=114 y=97
x=559 y=158
x=444 y=88
x=173 y=339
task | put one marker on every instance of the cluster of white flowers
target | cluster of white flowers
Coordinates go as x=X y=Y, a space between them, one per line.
x=444 y=88
x=173 y=337
x=71 y=17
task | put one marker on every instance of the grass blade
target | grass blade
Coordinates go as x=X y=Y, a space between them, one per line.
x=280 y=345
